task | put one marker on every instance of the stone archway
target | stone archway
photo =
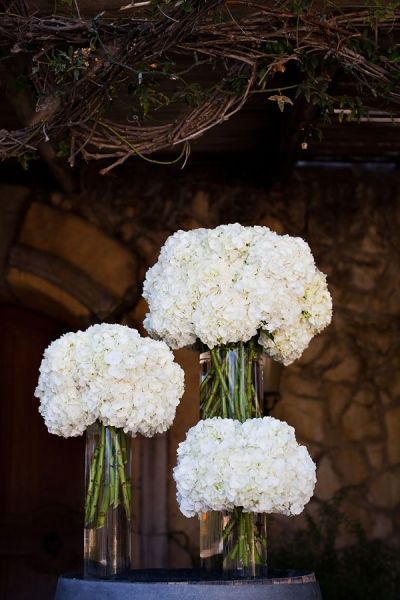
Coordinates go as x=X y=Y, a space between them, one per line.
x=68 y=268
x=63 y=267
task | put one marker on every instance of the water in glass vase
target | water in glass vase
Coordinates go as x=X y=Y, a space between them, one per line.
x=231 y=381
x=244 y=538
x=231 y=386
x=107 y=537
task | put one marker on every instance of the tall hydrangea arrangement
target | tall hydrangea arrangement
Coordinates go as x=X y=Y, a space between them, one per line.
x=256 y=465
x=108 y=374
x=231 y=283
x=111 y=374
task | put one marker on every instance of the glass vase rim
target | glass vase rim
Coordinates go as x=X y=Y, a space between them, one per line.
x=231 y=346
x=99 y=424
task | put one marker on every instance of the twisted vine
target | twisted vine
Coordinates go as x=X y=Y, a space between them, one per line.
x=78 y=71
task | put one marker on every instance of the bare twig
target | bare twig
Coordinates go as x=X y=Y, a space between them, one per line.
x=77 y=64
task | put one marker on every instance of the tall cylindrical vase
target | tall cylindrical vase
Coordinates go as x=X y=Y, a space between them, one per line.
x=107 y=538
x=231 y=386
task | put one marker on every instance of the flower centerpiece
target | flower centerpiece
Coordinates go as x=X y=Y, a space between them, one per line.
x=245 y=470
x=239 y=293
x=114 y=384
x=236 y=289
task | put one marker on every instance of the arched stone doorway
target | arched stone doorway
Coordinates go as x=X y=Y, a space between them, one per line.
x=60 y=273
x=66 y=267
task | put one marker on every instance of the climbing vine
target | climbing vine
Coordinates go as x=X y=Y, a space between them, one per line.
x=160 y=74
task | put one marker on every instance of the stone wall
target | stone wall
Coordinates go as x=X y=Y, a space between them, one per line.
x=343 y=396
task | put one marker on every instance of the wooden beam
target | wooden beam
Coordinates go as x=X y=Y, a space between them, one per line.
x=294 y=132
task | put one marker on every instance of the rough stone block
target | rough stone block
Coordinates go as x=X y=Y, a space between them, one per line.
x=352 y=465
x=328 y=482
x=361 y=423
x=306 y=416
x=83 y=245
x=347 y=369
x=376 y=455
x=385 y=490
x=201 y=206
x=382 y=526
x=338 y=397
x=321 y=352
x=297 y=383
x=392 y=421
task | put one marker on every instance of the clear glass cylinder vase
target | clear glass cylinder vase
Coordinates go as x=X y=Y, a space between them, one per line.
x=244 y=543
x=108 y=502
x=231 y=386
x=231 y=381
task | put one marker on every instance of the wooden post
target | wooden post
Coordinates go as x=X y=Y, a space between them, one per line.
x=154 y=521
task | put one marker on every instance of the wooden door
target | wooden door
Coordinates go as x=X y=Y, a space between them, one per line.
x=41 y=475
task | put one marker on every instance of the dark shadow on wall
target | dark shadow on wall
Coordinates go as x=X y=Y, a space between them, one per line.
x=362 y=570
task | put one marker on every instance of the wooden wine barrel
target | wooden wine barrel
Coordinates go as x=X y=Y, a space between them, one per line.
x=182 y=584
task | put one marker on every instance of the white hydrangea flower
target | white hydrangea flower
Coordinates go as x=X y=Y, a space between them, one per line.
x=257 y=465
x=109 y=373
x=228 y=284
x=62 y=403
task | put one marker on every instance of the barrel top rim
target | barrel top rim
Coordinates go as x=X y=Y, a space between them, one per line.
x=197 y=577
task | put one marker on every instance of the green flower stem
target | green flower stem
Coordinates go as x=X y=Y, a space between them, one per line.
x=92 y=472
x=108 y=486
x=206 y=379
x=243 y=394
x=113 y=490
x=116 y=498
x=251 y=543
x=98 y=477
x=125 y=454
x=105 y=503
x=246 y=539
x=122 y=477
x=224 y=387
x=122 y=441
x=242 y=540
x=249 y=385
x=235 y=551
x=211 y=396
x=105 y=500
x=214 y=412
x=228 y=529
x=229 y=389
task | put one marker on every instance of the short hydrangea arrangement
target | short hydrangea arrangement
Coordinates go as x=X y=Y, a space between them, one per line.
x=231 y=283
x=256 y=465
x=111 y=374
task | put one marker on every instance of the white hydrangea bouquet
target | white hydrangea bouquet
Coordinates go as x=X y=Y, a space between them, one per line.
x=238 y=293
x=241 y=289
x=248 y=469
x=256 y=465
x=115 y=384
